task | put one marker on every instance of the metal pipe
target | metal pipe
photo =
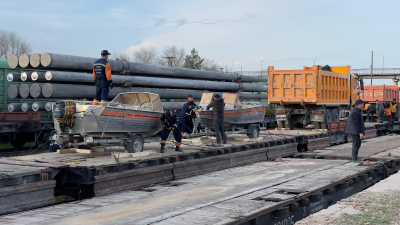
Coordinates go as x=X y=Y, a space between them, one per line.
x=86 y=91
x=39 y=106
x=13 y=77
x=14 y=107
x=34 y=60
x=26 y=76
x=85 y=64
x=36 y=90
x=26 y=107
x=13 y=61
x=24 y=90
x=24 y=60
x=13 y=91
x=49 y=106
x=67 y=77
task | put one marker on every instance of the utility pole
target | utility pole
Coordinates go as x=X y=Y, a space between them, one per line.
x=372 y=64
x=314 y=62
x=221 y=68
x=169 y=58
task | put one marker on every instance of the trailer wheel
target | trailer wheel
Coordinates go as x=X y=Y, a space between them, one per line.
x=335 y=115
x=136 y=144
x=253 y=130
x=18 y=143
x=328 y=119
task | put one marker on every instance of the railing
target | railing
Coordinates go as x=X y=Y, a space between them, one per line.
x=377 y=71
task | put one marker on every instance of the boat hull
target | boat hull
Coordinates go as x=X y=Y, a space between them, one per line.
x=235 y=117
x=97 y=119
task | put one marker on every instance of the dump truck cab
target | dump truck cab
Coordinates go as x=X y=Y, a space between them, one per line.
x=312 y=95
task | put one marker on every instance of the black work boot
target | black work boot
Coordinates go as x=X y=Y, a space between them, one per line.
x=162 y=148
x=178 y=149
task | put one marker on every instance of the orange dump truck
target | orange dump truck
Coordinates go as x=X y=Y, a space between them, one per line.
x=383 y=93
x=312 y=96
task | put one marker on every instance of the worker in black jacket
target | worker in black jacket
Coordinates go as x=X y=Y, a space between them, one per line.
x=169 y=121
x=355 y=127
x=185 y=118
x=218 y=117
x=370 y=112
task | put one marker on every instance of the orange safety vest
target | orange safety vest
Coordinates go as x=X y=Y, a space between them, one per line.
x=366 y=106
x=388 y=113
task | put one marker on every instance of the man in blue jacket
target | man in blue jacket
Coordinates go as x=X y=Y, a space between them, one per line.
x=53 y=146
x=355 y=127
x=185 y=119
x=170 y=123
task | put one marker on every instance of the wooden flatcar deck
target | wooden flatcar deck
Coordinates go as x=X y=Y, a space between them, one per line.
x=230 y=196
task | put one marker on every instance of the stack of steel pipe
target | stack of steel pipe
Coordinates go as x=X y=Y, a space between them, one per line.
x=71 y=77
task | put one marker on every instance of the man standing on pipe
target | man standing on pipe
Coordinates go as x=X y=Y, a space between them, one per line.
x=102 y=77
x=170 y=123
x=185 y=119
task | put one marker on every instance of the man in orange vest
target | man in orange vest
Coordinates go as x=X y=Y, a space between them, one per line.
x=102 y=77
x=388 y=114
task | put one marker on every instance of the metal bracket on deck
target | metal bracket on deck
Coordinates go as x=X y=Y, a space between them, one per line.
x=44 y=177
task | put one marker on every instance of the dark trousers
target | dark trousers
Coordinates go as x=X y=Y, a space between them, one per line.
x=389 y=119
x=356 y=146
x=177 y=136
x=370 y=116
x=219 y=130
x=102 y=90
x=186 y=124
x=53 y=147
x=380 y=116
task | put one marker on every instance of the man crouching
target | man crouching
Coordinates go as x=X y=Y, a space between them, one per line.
x=170 y=122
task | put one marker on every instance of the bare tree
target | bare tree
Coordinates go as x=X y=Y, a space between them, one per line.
x=210 y=65
x=120 y=56
x=145 y=54
x=174 y=54
x=11 y=43
x=4 y=43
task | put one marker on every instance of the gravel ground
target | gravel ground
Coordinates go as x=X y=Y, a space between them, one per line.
x=379 y=204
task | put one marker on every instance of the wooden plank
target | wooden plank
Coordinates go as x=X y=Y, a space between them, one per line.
x=242 y=139
x=136 y=154
x=65 y=151
x=98 y=149
x=84 y=151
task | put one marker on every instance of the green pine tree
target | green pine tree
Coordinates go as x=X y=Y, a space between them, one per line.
x=193 y=61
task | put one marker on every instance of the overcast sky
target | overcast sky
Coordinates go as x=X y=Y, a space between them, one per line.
x=287 y=34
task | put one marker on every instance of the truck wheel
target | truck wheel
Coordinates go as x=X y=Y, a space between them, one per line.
x=136 y=144
x=328 y=119
x=292 y=123
x=253 y=130
x=317 y=125
x=335 y=115
x=18 y=143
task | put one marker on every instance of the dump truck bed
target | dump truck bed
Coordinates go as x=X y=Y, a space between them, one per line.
x=380 y=92
x=310 y=85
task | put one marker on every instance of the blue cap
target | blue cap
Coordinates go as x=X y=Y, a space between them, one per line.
x=174 y=111
x=105 y=52
x=358 y=102
x=190 y=96
x=52 y=133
